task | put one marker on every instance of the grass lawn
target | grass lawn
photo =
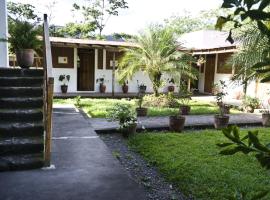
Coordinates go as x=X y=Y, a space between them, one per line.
x=192 y=162
x=96 y=108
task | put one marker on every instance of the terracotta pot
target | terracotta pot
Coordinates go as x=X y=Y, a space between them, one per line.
x=266 y=119
x=129 y=131
x=64 y=89
x=184 y=110
x=141 y=112
x=125 y=89
x=170 y=88
x=25 y=58
x=221 y=122
x=176 y=123
x=102 y=88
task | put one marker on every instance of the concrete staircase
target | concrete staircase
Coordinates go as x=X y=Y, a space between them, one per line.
x=21 y=119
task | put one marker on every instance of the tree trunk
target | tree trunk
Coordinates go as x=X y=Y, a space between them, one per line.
x=157 y=83
x=245 y=87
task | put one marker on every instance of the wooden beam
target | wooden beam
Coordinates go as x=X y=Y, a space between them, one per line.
x=113 y=74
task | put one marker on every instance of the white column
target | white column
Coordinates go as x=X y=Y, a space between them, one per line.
x=3 y=34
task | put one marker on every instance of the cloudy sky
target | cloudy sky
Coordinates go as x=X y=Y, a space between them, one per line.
x=139 y=14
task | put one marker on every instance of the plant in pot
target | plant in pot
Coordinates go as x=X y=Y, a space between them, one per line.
x=141 y=87
x=221 y=120
x=102 y=86
x=171 y=85
x=125 y=87
x=141 y=111
x=125 y=115
x=184 y=99
x=64 y=79
x=176 y=123
x=250 y=103
x=23 y=42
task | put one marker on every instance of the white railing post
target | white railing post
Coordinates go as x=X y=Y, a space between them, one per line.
x=3 y=34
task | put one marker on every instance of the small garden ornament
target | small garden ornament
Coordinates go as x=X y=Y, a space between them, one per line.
x=64 y=79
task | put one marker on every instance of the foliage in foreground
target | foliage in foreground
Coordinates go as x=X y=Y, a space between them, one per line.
x=250 y=143
x=191 y=161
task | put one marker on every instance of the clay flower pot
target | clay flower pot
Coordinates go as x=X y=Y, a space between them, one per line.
x=102 y=88
x=184 y=110
x=170 y=88
x=64 y=89
x=125 y=88
x=266 y=119
x=141 y=112
x=25 y=58
x=130 y=130
x=221 y=122
x=176 y=123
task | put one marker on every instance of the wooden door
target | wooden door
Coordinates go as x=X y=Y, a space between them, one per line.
x=86 y=70
x=209 y=73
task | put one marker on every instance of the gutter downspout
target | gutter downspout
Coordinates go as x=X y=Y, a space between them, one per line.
x=3 y=34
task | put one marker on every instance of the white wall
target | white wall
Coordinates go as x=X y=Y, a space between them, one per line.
x=3 y=34
x=72 y=86
x=107 y=75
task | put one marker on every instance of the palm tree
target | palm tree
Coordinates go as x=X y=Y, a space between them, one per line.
x=252 y=51
x=157 y=53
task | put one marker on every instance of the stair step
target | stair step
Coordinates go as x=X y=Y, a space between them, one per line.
x=21 y=91
x=20 y=115
x=21 y=145
x=21 y=162
x=21 y=129
x=4 y=72
x=16 y=103
x=21 y=81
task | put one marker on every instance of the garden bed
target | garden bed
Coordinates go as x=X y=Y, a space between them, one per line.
x=191 y=163
x=96 y=108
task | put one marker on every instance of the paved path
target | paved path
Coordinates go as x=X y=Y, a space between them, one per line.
x=85 y=168
x=192 y=121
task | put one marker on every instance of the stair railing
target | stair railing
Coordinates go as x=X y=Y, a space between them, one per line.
x=47 y=92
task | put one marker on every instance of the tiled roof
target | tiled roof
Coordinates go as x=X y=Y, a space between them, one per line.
x=205 y=39
x=91 y=42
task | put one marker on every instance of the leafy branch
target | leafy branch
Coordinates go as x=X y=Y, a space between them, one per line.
x=248 y=144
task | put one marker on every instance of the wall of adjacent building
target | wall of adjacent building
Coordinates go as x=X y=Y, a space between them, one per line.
x=71 y=69
x=3 y=34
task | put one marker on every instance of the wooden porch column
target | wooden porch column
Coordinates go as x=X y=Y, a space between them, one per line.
x=113 y=74
x=3 y=34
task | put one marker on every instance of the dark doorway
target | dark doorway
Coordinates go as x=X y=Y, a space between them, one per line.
x=209 y=73
x=86 y=70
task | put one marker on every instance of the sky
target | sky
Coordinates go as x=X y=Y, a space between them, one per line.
x=139 y=14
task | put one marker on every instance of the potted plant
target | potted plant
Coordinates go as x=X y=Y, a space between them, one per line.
x=176 y=123
x=126 y=118
x=185 y=97
x=221 y=120
x=64 y=79
x=102 y=86
x=141 y=87
x=171 y=85
x=23 y=42
x=250 y=103
x=141 y=111
x=125 y=87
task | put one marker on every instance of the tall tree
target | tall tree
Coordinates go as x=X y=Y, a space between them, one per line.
x=98 y=12
x=157 y=53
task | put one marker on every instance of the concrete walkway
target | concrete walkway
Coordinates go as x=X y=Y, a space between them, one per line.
x=84 y=168
x=192 y=121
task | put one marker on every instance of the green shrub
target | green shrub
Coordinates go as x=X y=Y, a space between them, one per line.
x=161 y=101
x=252 y=102
x=122 y=113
